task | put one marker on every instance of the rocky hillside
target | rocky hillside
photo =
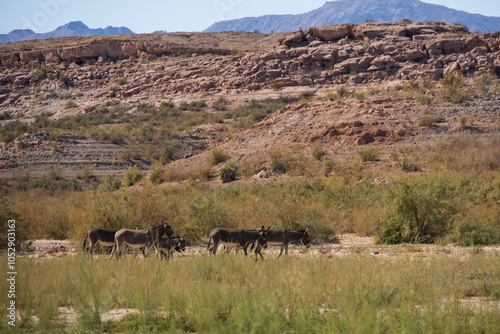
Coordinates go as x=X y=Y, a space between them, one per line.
x=87 y=76
x=357 y=11
x=71 y=29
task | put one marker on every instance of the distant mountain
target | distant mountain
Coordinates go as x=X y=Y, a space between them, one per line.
x=357 y=11
x=71 y=29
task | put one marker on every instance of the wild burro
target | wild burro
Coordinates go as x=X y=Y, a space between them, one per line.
x=236 y=238
x=137 y=239
x=100 y=236
x=169 y=245
x=283 y=238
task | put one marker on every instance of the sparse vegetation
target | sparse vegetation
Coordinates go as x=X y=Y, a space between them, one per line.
x=121 y=81
x=452 y=88
x=70 y=105
x=228 y=172
x=368 y=154
x=217 y=155
x=317 y=152
x=132 y=176
x=43 y=72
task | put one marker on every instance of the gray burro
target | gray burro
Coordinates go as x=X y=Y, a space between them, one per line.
x=137 y=239
x=236 y=238
x=169 y=245
x=101 y=236
x=283 y=238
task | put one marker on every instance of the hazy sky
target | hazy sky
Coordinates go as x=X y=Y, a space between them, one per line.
x=181 y=15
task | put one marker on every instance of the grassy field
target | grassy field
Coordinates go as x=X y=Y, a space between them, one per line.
x=233 y=294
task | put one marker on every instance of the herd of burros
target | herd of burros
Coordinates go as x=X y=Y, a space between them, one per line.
x=163 y=239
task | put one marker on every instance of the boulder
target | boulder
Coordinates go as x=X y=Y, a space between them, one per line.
x=295 y=38
x=332 y=32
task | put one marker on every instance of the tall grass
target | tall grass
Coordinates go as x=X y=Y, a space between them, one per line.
x=233 y=294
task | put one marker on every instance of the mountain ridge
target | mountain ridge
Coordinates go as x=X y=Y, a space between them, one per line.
x=71 y=29
x=352 y=11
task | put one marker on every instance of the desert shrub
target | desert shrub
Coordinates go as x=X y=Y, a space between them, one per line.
x=424 y=99
x=204 y=214
x=157 y=174
x=65 y=96
x=131 y=176
x=360 y=95
x=121 y=81
x=221 y=104
x=202 y=173
x=420 y=215
x=484 y=83
x=43 y=72
x=288 y=162
x=427 y=119
x=474 y=233
x=452 y=88
x=7 y=213
x=368 y=154
x=278 y=162
x=306 y=95
x=317 y=152
x=217 y=155
x=70 y=105
x=110 y=183
x=315 y=75
x=65 y=79
x=228 y=172
x=248 y=168
x=276 y=85
x=342 y=92
x=406 y=165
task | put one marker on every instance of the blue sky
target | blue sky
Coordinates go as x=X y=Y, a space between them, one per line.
x=183 y=15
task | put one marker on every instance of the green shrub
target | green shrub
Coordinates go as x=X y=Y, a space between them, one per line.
x=452 y=88
x=110 y=183
x=315 y=75
x=121 y=81
x=43 y=72
x=157 y=174
x=65 y=79
x=132 y=176
x=368 y=154
x=70 y=105
x=65 y=96
x=317 y=152
x=228 y=172
x=419 y=215
x=424 y=99
x=473 y=233
x=217 y=155
x=342 y=92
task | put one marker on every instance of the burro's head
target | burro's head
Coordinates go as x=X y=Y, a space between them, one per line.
x=167 y=229
x=182 y=243
x=262 y=240
x=305 y=238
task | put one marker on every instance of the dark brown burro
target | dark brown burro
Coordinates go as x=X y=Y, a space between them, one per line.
x=283 y=238
x=169 y=245
x=236 y=238
x=137 y=239
x=102 y=236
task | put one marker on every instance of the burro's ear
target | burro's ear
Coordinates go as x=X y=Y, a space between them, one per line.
x=262 y=228
x=162 y=222
x=307 y=229
x=268 y=228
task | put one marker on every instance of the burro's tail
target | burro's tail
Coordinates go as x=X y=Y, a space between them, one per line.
x=85 y=240
x=209 y=240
